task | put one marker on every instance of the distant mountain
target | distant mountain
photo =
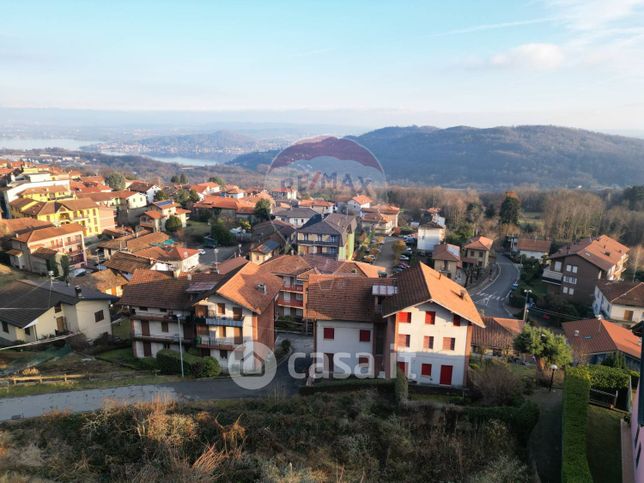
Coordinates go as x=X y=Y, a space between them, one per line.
x=462 y=156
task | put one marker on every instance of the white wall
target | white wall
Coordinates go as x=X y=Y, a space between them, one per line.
x=416 y=354
x=80 y=318
x=346 y=341
x=428 y=238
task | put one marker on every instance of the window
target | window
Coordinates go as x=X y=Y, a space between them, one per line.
x=557 y=267
x=456 y=320
x=402 y=366
x=574 y=269
x=166 y=345
x=329 y=333
x=426 y=370
x=221 y=309
x=143 y=308
x=223 y=354
x=449 y=343
x=58 y=307
x=404 y=340
x=28 y=330
x=428 y=342
x=237 y=313
x=568 y=268
x=363 y=361
x=98 y=316
x=565 y=290
x=164 y=327
x=628 y=315
x=403 y=317
x=163 y=310
x=365 y=336
x=5 y=327
x=430 y=318
x=571 y=291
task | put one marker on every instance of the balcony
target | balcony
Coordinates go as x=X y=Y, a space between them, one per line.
x=290 y=303
x=293 y=288
x=219 y=321
x=227 y=343
x=164 y=338
x=550 y=276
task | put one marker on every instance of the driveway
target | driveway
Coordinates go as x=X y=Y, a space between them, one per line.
x=490 y=298
x=189 y=390
x=386 y=256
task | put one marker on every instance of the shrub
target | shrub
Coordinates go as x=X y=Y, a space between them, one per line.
x=495 y=384
x=606 y=378
x=351 y=384
x=574 y=464
x=169 y=362
x=401 y=388
x=148 y=363
x=521 y=419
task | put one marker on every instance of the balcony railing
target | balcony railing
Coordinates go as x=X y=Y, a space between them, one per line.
x=220 y=320
x=219 y=342
x=290 y=303
x=293 y=288
x=551 y=276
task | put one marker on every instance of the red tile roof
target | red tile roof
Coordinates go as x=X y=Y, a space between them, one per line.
x=50 y=232
x=420 y=284
x=598 y=336
x=623 y=293
x=480 y=243
x=244 y=287
x=603 y=251
x=527 y=244
x=498 y=333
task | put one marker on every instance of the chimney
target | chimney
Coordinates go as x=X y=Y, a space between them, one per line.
x=462 y=294
x=576 y=333
x=78 y=291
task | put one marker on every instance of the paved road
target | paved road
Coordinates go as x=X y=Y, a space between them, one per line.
x=386 y=256
x=491 y=296
x=207 y=260
x=188 y=390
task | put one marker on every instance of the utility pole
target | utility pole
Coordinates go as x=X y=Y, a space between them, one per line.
x=525 y=305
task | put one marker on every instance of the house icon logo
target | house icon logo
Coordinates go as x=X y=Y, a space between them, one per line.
x=252 y=365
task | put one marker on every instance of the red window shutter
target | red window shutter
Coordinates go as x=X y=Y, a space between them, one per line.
x=456 y=320
x=449 y=343
x=403 y=340
x=426 y=369
x=402 y=366
x=365 y=336
x=329 y=333
x=403 y=317
x=429 y=342
x=430 y=318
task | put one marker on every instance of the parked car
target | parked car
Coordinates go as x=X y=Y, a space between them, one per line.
x=78 y=272
x=404 y=258
x=515 y=285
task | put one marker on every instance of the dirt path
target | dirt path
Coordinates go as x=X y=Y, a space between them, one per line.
x=545 y=441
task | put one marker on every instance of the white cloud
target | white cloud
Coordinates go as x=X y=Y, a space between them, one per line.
x=538 y=56
x=591 y=14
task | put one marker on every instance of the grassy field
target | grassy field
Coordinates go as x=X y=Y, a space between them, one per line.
x=604 y=443
x=122 y=329
x=196 y=229
x=129 y=379
x=358 y=436
x=9 y=274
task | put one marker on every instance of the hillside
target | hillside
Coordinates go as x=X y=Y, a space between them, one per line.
x=547 y=156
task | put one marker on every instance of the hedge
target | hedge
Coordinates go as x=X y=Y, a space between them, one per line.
x=350 y=384
x=170 y=363
x=609 y=379
x=401 y=388
x=574 y=464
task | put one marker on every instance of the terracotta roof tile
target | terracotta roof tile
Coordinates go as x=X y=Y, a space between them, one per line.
x=498 y=333
x=531 y=245
x=603 y=251
x=596 y=336
x=480 y=243
x=623 y=293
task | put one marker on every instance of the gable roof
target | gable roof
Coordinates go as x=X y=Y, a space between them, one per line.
x=16 y=226
x=43 y=233
x=151 y=288
x=296 y=213
x=333 y=297
x=103 y=280
x=499 y=332
x=243 y=287
x=598 y=336
x=420 y=284
x=447 y=251
x=135 y=241
x=623 y=293
x=362 y=199
x=480 y=243
x=333 y=224
x=530 y=245
x=603 y=251
x=140 y=186
x=128 y=262
x=23 y=301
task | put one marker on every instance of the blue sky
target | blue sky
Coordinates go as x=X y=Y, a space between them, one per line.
x=572 y=62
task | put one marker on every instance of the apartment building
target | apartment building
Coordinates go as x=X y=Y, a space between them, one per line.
x=380 y=219
x=430 y=235
x=148 y=189
x=41 y=249
x=574 y=269
x=85 y=212
x=211 y=312
x=333 y=236
x=419 y=322
x=25 y=181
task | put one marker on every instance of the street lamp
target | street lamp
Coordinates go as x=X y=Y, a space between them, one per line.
x=553 y=368
x=525 y=306
x=239 y=246
x=216 y=261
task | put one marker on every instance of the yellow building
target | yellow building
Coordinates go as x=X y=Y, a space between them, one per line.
x=60 y=212
x=48 y=193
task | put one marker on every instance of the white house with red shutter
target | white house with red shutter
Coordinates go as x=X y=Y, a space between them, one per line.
x=419 y=322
